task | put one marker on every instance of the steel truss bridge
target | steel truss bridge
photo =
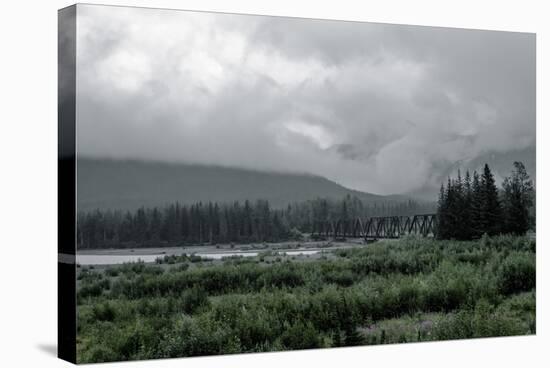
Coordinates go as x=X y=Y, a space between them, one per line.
x=387 y=227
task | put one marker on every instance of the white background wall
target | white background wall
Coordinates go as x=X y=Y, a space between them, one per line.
x=28 y=187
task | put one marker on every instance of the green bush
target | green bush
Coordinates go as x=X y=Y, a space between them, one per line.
x=92 y=289
x=98 y=354
x=301 y=336
x=112 y=271
x=104 y=312
x=517 y=273
x=192 y=337
x=193 y=299
x=483 y=321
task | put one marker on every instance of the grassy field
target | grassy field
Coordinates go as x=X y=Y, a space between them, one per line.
x=387 y=292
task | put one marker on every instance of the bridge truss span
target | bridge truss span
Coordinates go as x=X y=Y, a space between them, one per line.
x=385 y=227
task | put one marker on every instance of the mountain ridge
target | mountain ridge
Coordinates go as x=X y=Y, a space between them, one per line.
x=130 y=184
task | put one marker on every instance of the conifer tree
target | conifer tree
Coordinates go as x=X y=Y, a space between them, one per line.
x=491 y=218
x=247 y=219
x=141 y=225
x=517 y=199
x=442 y=214
x=155 y=225
x=460 y=209
x=476 y=206
x=184 y=224
x=468 y=208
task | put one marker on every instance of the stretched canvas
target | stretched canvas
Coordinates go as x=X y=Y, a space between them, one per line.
x=238 y=183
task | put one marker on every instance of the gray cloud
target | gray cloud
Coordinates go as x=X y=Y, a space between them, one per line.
x=380 y=108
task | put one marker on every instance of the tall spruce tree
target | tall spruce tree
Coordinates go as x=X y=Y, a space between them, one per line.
x=461 y=226
x=517 y=199
x=491 y=219
x=442 y=214
x=141 y=225
x=468 y=208
x=476 y=206
x=184 y=224
x=453 y=208
x=156 y=224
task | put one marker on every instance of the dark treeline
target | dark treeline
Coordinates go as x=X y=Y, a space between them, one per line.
x=472 y=206
x=211 y=223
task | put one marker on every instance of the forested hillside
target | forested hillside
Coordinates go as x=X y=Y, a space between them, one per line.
x=129 y=185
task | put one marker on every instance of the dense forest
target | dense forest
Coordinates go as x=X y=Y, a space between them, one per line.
x=472 y=206
x=211 y=223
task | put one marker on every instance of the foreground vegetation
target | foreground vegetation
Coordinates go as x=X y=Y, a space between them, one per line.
x=387 y=292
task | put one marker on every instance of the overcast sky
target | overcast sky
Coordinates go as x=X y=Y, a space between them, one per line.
x=379 y=108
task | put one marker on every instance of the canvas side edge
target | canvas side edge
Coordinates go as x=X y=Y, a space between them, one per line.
x=66 y=174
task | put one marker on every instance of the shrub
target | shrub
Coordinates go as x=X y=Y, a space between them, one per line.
x=193 y=337
x=104 y=312
x=517 y=273
x=180 y=268
x=483 y=321
x=301 y=336
x=340 y=277
x=112 y=271
x=454 y=326
x=92 y=289
x=98 y=353
x=193 y=299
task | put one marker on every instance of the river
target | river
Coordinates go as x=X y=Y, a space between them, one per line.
x=110 y=259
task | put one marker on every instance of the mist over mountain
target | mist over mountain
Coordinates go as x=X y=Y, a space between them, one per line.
x=501 y=164
x=387 y=111
x=130 y=184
